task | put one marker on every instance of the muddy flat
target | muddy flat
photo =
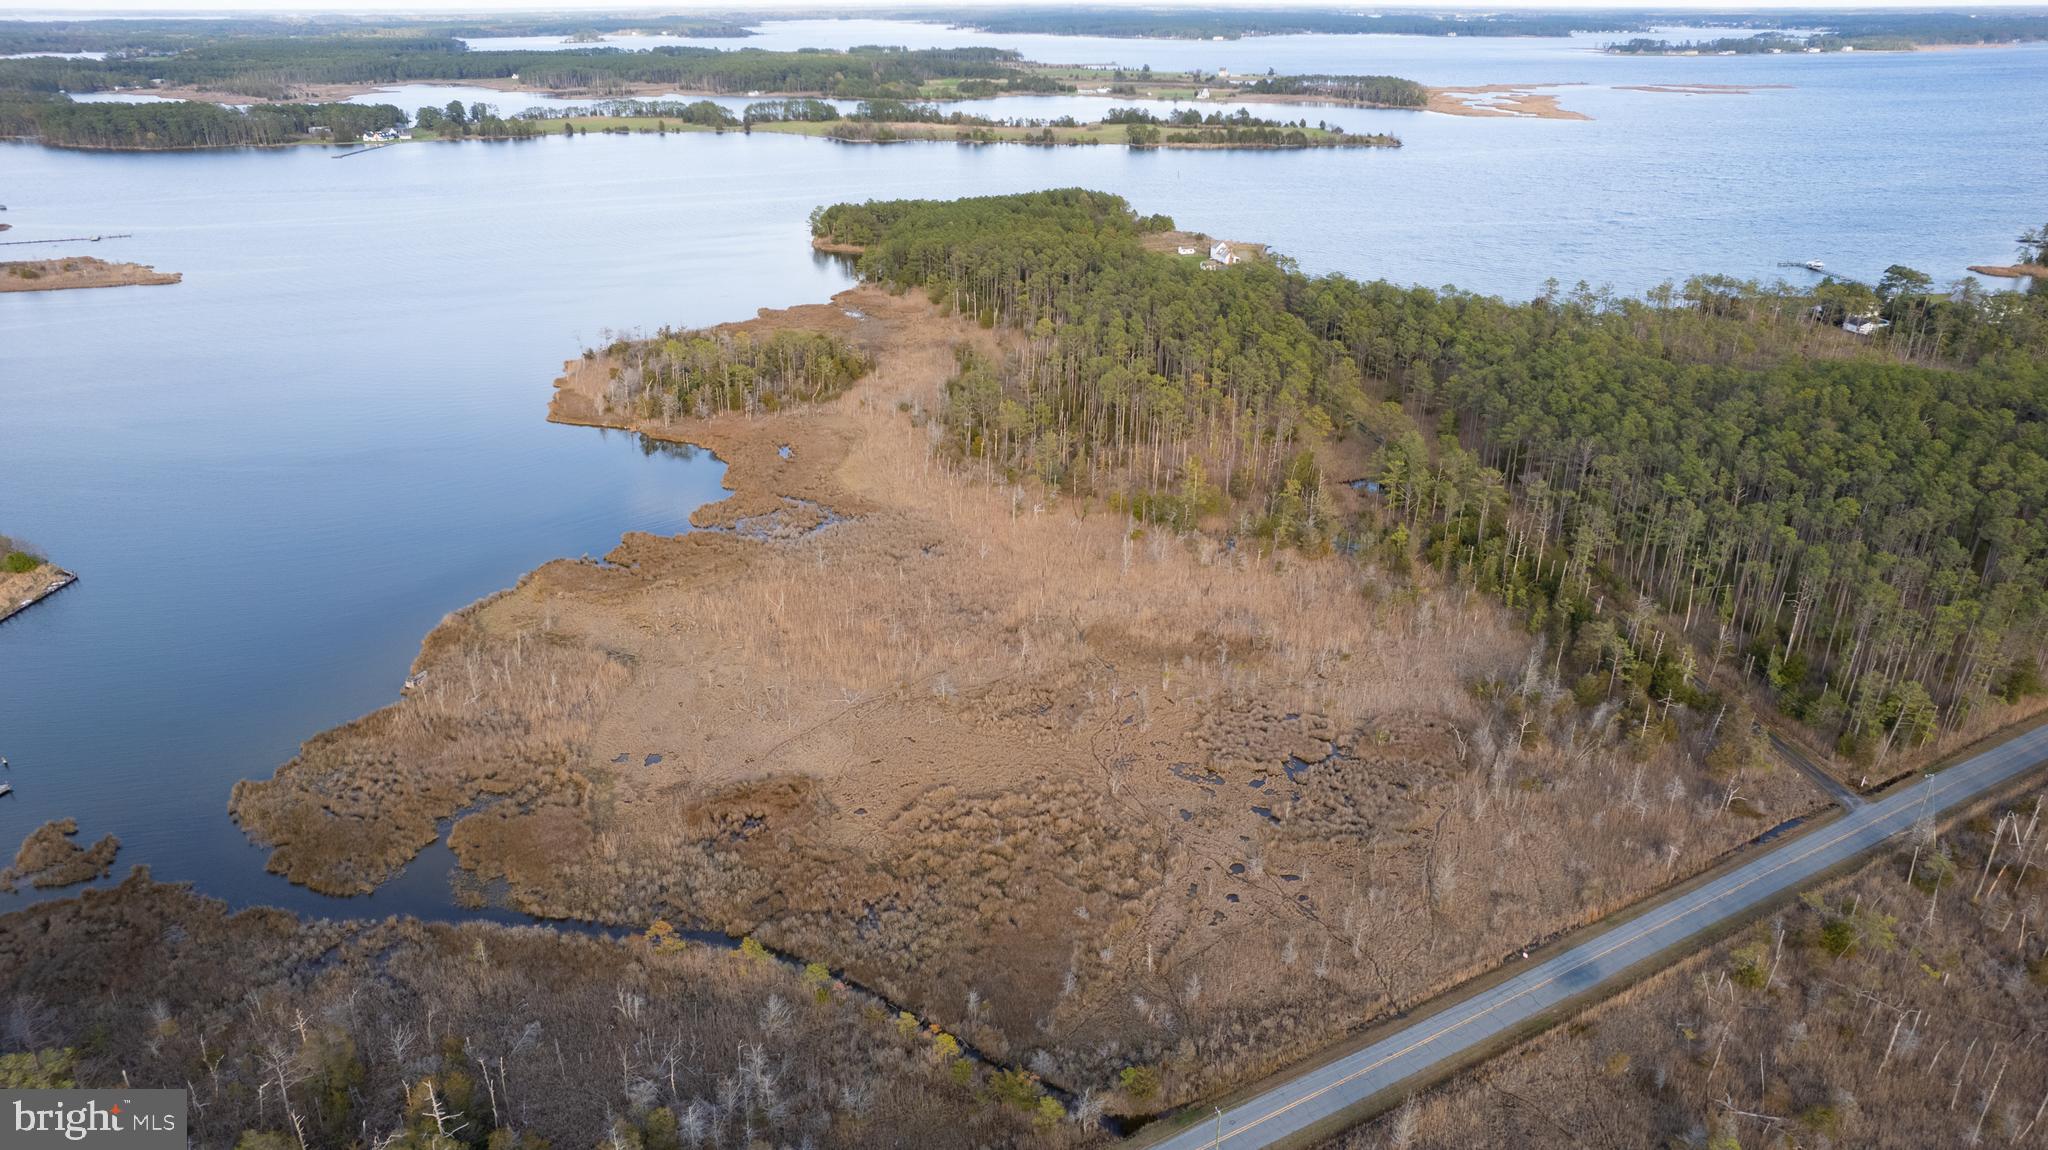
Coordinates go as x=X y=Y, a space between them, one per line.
x=1499 y=100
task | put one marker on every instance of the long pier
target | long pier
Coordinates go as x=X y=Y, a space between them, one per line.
x=1824 y=272
x=69 y=240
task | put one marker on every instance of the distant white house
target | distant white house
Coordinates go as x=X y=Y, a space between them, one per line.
x=1185 y=250
x=1202 y=95
x=1221 y=253
x=1864 y=324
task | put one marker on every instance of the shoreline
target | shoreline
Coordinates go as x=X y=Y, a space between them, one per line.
x=2011 y=271
x=953 y=701
x=1523 y=102
x=44 y=582
x=1094 y=134
x=78 y=272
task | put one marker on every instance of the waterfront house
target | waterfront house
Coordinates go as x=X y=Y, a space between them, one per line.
x=1864 y=324
x=1222 y=254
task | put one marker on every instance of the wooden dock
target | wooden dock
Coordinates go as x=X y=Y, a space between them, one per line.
x=50 y=579
x=68 y=240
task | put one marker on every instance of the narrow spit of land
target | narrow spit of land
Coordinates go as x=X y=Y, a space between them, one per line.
x=78 y=272
x=23 y=585
x=2012 y=271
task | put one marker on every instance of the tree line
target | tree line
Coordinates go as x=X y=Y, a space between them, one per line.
x=1384 y=91
x=1870 y=31
x=1231 y=23
x=1856 y=524
x=274 y=68
x=1239 y=129
x=696 y=373
x=187 y=124
x=162 y=37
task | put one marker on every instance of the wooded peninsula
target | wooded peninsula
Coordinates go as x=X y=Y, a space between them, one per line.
x=1853 y=526
x=156 y=126
x=1237 y=615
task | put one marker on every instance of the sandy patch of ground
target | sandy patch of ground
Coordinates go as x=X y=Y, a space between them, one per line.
x=1088 y=794
x=1502 y=100
x=1170 y=243
x=77 y=272
x=21 y=590
x=2012 y=271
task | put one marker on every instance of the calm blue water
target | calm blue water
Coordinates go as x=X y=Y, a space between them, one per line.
x=275 y=477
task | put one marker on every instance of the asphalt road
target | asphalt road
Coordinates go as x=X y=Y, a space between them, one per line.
x=1670 y=926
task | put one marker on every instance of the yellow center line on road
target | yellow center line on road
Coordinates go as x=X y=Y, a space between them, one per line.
x=1880 y=813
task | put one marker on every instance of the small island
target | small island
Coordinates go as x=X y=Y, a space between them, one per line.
x=78 y=272
x=27 y=578
x=49 y=857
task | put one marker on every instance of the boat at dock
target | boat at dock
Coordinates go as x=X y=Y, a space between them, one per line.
x=1815 y=266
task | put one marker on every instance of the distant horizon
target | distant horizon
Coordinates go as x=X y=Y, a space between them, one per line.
x=848 y=9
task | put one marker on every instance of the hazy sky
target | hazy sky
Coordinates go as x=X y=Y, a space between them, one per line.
x=104 y=7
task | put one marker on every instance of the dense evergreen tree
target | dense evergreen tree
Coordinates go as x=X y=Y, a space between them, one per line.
x=1858 y=523
x=188 y=124
x=696 y=373
x=1386 y=91
x=276 y=68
